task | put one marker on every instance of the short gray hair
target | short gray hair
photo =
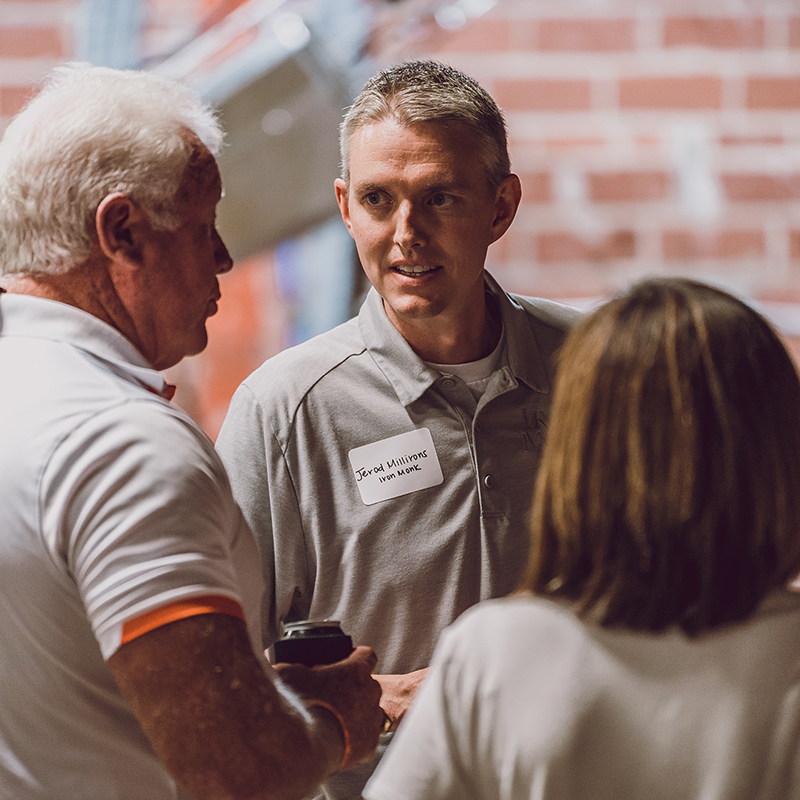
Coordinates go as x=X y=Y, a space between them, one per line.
x=427 y=91
x=91 y=132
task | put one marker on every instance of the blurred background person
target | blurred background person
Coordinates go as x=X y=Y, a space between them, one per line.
x=653 y=652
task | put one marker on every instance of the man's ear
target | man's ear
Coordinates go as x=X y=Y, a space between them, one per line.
x=118 y=224
x=506 y=203
x=344 y=205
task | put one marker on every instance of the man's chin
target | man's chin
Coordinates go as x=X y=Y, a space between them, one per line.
x=192 y=348
x=412 y=308
x=201 y=344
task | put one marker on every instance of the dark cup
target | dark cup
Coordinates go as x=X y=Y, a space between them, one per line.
x=312 y=642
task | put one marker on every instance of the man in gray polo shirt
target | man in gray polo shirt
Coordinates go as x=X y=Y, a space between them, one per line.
x=386 y=466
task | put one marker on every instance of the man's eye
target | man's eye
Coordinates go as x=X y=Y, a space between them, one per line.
x=441 y=200
x=373 y=199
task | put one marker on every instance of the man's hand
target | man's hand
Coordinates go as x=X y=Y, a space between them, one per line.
x=398 y=692
x=349 y=687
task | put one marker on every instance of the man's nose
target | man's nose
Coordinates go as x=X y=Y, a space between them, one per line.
x=222 y=257
x=409 y=231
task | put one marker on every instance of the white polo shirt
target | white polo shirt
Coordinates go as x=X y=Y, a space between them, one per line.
x=524 y=701
x=115 y=517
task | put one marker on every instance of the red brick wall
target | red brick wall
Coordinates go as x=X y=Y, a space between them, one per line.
x=37 y=34
x=658 y=137
x=34 y=35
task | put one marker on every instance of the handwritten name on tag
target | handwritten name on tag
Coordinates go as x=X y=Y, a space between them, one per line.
x=396 y=466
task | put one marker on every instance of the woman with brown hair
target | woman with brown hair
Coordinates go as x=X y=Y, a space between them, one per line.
x=653 y=650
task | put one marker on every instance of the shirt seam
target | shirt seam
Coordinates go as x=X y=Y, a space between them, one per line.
x=266 y=422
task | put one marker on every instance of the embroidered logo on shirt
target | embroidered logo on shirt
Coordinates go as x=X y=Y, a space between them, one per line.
x=396 y=466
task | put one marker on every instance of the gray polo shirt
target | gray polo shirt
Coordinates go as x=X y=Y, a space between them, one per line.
x=395 y=570
x=380 y=493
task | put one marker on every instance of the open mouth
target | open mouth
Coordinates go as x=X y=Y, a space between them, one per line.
x=415 y=270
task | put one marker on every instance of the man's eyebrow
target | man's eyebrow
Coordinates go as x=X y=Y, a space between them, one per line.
x=366 y=188
x=436 y=186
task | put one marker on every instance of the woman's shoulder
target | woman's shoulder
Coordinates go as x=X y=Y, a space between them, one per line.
x=519 y=624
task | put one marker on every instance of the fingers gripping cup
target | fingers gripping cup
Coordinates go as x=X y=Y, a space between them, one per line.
x=312 y=642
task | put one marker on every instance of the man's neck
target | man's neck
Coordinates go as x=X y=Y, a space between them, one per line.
x=50 y=287
x=84 y=286
x=442 y=341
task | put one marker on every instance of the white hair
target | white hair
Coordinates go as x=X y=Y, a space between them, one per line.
x=91 y=132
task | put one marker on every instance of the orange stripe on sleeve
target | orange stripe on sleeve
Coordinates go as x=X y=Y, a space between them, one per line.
x=191 y=607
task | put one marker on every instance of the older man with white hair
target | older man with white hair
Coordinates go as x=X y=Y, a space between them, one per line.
x=130 y=585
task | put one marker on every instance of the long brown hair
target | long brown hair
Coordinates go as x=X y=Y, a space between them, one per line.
x=669 y=490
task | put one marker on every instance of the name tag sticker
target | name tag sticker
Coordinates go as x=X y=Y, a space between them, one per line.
x=396 y=466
